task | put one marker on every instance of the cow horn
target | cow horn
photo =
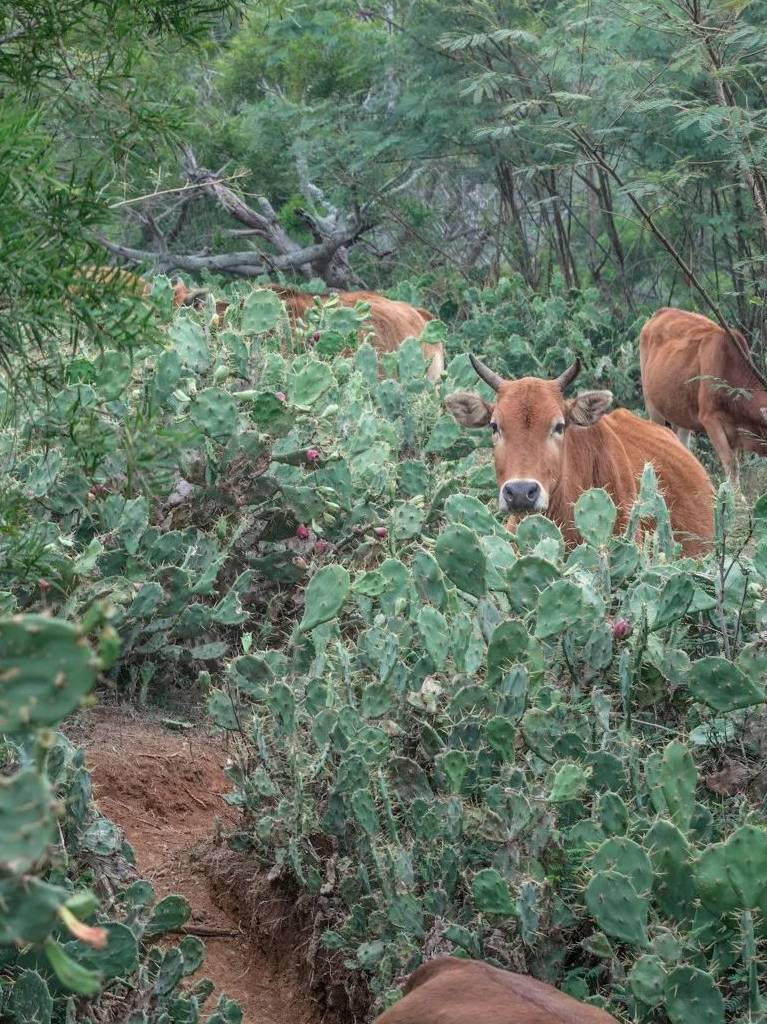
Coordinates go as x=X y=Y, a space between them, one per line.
x=488 y=376
x=565 y=380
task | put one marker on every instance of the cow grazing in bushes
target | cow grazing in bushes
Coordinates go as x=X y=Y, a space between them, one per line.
x=137 y=285
x=392 y=321
x=695 y=377
x=549 y=449
x=453 y=991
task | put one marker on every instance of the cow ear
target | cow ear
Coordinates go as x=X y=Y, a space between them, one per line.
x=584 y=410
x=469 y=409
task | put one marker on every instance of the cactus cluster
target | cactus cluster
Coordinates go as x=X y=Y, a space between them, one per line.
x=449 y=732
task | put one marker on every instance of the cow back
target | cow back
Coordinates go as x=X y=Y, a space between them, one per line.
x=449 y=990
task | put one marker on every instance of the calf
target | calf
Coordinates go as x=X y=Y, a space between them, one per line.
x=452 y=991
x=548 y=450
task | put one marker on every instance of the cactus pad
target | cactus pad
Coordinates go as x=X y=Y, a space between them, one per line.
x=617 y=908
x=324 y=596
x=46 y=668
x=27 y=824
x=691 y=995
x=595 y=515
x=462 y=559
x=491 y=894
x=722 y=685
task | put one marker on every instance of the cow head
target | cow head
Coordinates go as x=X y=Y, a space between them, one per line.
x=529 y=422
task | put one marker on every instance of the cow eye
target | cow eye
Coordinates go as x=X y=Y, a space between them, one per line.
x=494 y=426
x=559 y=428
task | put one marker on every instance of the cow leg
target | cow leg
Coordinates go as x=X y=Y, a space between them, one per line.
x=728 y=456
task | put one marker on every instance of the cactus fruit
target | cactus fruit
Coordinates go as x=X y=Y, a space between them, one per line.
x=527 y=578
x=617 y=908
x=461 y=558
x=46 y=668
x=628 y=859
x=324 y=596
x=213 y=411
x=560 y=608
x=647 y=980
x=491 y=894
x=691 y=995
x=595 y=514
x=723 y=686
x=672 y=778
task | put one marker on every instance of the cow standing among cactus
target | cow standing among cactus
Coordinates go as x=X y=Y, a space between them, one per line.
x=548 y=450
x=696 y=378
x=392 y=321
x=449 y=990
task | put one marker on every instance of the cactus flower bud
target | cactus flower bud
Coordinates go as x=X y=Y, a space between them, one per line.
x=280 y=396
x=320 y=546
x=44 y=586
x=315 y=337
x=312 y=454
x=95 y=937
x=302 y=532
x=621 y=629
x=380 y=531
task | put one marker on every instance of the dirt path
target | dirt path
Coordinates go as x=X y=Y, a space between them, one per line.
x=164 y=791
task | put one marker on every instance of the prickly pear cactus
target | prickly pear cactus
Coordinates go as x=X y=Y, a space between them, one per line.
x=46 y=669
x=324 y=596
x=214 y=412
x=722 y=685
x=461 y=558
x=617 y=908
x=595 y=516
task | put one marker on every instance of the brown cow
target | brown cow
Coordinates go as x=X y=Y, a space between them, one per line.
x=695 y=377
x=392 y=321
x=449 y=990
x=136 y=285
x=548 y=451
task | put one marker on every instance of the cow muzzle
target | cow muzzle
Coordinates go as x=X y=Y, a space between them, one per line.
x=523 y=496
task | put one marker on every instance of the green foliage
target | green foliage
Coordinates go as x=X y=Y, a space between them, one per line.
x=448 y=706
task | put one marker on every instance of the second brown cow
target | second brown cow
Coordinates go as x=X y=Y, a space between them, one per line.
x=548 y=450
x=697 y=378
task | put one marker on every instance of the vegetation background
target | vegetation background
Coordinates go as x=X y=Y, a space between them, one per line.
x=544 y=792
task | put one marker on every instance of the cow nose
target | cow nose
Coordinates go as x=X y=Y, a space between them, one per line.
x=521 y=495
